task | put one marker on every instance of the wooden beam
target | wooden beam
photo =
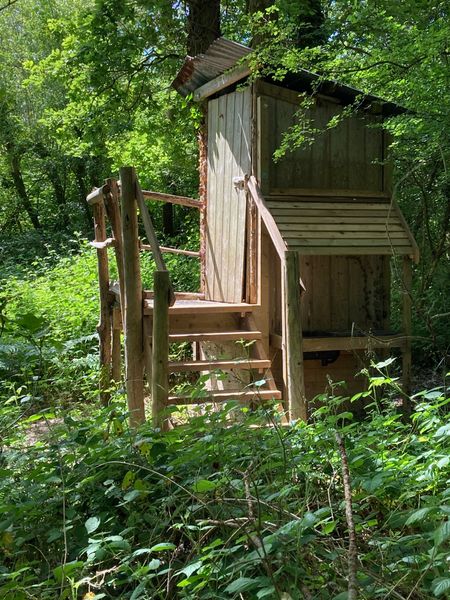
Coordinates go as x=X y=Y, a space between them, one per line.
x=109 y=242
x=223 y=396
x=328 y=193
x=104 y=324
x=113 y=211
x=97 y=195
x=160 y=346
x=218 y=337
x=169 y=198
x=298 y=408
x=267 y=217
x=224 y=365
x=151 y=236
x=172 y=250
x=116 y=349
x=344 y=343
x=221 y=82
x=133 y=299
x=407 y=328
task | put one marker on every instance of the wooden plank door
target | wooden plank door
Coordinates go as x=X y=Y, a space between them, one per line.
x=229 y=156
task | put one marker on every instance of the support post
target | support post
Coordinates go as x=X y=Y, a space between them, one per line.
x=113 y=212
x=407 y=327
x=295 y=382
x=160 y=384
x=116 y=349
x=104 y=324
x=134 y=362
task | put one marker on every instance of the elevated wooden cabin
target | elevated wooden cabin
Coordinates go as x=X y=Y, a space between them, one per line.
x=328 y=202
x=295 y=254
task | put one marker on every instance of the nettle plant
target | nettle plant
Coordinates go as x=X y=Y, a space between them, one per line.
x=230 y=504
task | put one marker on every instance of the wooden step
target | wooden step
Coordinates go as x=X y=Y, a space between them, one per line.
x=224 y=396
x=224 y=365
x=198 y=306
x=219 y=336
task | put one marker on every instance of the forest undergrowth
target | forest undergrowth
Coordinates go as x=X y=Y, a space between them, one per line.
x=230 y=503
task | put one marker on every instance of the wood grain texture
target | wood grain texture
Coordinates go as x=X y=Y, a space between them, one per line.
x=160 y=346
x=133 y=299
x=229 y=156
x=293 y=334
x=104 y=324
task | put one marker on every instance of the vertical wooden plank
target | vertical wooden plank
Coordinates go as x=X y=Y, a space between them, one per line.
x=374 y=154
x=160 y=385
x=148 y=349
x=116 y=349
x=264 y=128
x=339 y=293
x=407 y=327
x=306 y=269
x=213 y=157
x=229 y=156
x=113 y=212
x=321 y=310
x=242 y=150
x=227 y=237
x=356 y=167
x=133 y=299
x=104 y=324
x=294 y=344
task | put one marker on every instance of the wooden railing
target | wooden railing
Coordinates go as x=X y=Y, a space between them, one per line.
x=121 y=201
x=293 y=287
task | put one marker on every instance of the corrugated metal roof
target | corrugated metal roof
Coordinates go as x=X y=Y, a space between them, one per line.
x=222 y=55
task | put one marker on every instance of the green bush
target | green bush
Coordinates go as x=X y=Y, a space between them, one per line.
x=226 y=507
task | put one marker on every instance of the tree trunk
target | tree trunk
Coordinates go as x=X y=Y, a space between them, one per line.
x=168 y=224
x=203 y=25
x=307 y=16
x=19 y=185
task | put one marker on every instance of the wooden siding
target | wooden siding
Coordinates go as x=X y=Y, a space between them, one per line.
x=229 y=156
x=345 y=293
x=344 y=157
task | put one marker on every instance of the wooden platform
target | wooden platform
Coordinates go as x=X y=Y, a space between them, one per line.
x=198 y=306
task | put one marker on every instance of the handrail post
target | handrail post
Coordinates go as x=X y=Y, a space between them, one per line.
x=160 y=346
x=407 y=331
x=104 y=324
x=295 y=381
x=133 y=314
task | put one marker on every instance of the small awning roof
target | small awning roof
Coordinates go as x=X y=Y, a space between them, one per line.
x=342 y=225
x=224 y=55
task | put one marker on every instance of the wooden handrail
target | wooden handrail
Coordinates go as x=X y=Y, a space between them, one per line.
x=172 y=250
x=151 y=236
x=180 y=200
x=271 y=226
x=266 y=216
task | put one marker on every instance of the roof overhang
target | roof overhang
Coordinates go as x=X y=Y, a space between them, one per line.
x=224 y=65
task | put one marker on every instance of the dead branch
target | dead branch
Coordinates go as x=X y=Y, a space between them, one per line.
x=352 y=548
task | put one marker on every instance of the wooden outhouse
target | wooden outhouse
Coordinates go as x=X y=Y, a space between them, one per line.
x=326 y=206
x=295 y=253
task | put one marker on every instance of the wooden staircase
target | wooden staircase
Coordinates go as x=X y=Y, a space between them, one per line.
x=153 y=320
x=222 y=327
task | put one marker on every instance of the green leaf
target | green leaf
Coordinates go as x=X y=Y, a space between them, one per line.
x=242 y=584
x=92 y=524
x=204 y=485
x=440 y=586
x=64 y=571
x=442 y=533
x=418 y=515
x=329 y=527
x=162 y=547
